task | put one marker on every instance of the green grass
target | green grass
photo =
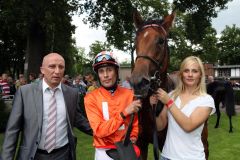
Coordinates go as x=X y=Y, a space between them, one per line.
x=222 y=145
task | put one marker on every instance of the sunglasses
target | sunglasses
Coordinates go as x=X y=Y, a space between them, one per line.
x=101 y=57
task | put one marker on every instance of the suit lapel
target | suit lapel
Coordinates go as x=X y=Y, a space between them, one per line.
x=71 y=138
x=67 y=98
x=38 y=98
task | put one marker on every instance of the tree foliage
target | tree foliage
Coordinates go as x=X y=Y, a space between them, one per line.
x=181 y=46
x=115 y=17
x=199 y=16
x=82 y=63
x=229 y=46
x=30 y=29
x=192 y=33
x=97 y=47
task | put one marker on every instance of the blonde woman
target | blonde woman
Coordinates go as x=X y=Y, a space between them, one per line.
x=185 y=110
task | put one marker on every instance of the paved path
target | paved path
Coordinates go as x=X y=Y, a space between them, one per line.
x=237 y=108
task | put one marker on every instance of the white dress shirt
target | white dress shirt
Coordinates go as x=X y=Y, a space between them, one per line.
x=61 y=128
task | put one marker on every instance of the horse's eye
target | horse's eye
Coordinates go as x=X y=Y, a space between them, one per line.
x=161 y=41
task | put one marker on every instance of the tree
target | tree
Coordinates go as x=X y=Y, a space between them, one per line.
x=199 y=15
x=82 y=64
x=30 y=29
x=209 y=49
x=181 y=46
x=97 y=47
x=230 y=46
x=116 y=19
x=50 y=30
x=12 y=39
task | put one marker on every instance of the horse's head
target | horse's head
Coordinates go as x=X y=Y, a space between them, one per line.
x=152 y=53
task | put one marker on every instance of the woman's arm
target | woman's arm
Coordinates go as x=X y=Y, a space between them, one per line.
x=188 y=124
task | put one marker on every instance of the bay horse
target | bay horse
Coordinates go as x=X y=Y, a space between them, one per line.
x=222 y=92
x=150 y=73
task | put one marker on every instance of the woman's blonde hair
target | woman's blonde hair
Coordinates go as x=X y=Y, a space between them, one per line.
x=201 y=87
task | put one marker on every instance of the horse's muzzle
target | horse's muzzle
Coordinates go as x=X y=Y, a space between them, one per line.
x=140 y=86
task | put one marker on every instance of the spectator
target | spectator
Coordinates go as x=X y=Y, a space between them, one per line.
x=81 y=89
x=89 y=79
x=22 y=81
x=32 y=78
x=91 y=82
x=11 y=85
x=4 y=85
x=81 y=81
x=17 y=83
x=93 y=86
x=126 y=83
x=66 y=80
x=40 y=77
x=210 y=79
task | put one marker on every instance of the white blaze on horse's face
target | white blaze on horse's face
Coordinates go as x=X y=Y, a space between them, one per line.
x=145 y=34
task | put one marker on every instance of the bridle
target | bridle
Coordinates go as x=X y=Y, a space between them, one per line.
x=155 y=80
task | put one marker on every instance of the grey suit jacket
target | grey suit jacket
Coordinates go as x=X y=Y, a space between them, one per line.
x=26 y=117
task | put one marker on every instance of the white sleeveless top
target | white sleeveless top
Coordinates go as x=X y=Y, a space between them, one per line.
x=180 y=145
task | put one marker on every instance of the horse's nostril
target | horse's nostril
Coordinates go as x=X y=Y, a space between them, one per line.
x=138 y=83
x=141 y=86
x=145 y=82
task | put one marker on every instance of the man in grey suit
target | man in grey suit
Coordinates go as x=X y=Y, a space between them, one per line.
x=44 y=137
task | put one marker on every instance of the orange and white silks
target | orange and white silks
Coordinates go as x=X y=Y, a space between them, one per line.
x=103 y=112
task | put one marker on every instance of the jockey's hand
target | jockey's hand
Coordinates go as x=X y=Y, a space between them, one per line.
x=133 y=107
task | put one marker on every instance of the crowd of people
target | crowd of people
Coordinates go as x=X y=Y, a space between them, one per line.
x=83 y=83
x=46 y=109
x=9 y=86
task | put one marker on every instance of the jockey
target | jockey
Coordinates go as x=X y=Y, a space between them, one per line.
x=109 y=107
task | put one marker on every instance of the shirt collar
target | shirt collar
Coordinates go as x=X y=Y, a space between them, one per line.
x=46 y=86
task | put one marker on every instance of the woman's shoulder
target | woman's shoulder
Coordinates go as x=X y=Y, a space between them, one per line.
x=206 y=99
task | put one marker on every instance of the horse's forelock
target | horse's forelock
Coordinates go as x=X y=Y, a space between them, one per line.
x=148 y=22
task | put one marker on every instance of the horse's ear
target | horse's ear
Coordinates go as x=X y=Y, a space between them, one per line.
x=169 y=21
x=137 y=18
